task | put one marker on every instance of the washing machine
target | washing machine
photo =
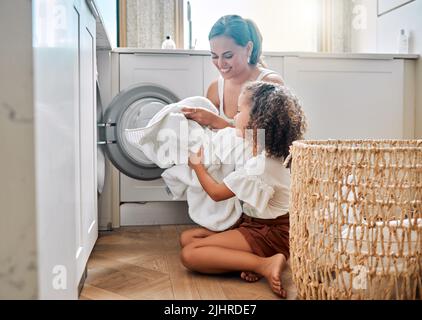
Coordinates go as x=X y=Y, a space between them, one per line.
x=141 y=83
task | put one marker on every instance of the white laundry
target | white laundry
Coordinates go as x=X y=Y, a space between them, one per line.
x=167 y=140
x=228 y=152
x=169 y=136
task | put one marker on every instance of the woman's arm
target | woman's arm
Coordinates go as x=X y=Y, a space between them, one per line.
x=217 y=191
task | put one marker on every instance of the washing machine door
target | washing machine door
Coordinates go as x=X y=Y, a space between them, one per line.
x=133 y=108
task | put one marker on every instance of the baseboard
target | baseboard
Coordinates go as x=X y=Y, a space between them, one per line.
x=154 y=213
x=82 y=281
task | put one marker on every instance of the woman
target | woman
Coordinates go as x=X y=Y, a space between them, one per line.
x=236 y=45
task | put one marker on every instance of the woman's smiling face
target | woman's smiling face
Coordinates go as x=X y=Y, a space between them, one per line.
x=229 y=58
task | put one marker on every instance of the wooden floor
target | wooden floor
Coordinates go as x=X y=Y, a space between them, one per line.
x=144 y=263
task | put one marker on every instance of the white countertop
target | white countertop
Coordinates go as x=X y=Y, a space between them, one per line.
x=375 y=56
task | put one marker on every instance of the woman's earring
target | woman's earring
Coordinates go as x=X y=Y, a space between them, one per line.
x=249 y=60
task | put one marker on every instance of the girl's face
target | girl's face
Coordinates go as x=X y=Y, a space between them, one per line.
x=243 y=113
x=229 y=58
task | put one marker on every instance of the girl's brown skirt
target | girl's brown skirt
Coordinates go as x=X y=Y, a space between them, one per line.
x=266 y=237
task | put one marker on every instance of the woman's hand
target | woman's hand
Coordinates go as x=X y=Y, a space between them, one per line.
x=202 y=116
x=195 y=159
x=205 y=117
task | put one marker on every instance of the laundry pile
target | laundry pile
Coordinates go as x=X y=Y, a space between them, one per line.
x=170 y=137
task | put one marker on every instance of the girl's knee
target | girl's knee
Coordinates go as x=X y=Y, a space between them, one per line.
x=191 y=235
x=187 y=257
x=185 y=238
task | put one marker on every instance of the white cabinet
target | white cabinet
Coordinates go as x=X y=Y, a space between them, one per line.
x=275 y=63
x=344 y=96
x=88 y=221
x=361 y=97
x=180 y=73
x=354 y=98
x=64 y=69
x=210 y=73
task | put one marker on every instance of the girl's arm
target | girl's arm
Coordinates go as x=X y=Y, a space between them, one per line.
x=217 y=191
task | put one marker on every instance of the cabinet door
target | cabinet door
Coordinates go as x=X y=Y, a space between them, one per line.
x=210 y=73
x=57 y=102
x=179 y=73
x=87 y=220
x=349 y=99
x=275 y=63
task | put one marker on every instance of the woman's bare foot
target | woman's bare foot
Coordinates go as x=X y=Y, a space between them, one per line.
x=250 y=276
x=271 y=270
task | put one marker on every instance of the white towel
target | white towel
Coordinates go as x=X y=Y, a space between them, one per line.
x=169 y=135
x=167 y=141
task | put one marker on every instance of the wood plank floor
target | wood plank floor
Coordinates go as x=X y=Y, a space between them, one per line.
x=143 y=263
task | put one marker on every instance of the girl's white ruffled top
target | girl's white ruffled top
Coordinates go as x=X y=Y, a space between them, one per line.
x=263 y=184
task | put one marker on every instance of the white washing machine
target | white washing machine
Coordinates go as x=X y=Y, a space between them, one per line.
x=142 y=82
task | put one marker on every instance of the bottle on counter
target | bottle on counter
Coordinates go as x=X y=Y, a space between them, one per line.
x=403 y=42
x=168 y=43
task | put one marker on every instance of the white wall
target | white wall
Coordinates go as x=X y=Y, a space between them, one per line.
x=286 y=25
x=381 y=35
x=18 y=266
x=364 y=26
x=408 y=17
x=108 y=12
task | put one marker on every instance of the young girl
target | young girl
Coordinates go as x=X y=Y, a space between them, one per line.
x=258 y=244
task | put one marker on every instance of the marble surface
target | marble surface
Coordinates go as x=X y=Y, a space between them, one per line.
x=18 y=259
x=380 y=56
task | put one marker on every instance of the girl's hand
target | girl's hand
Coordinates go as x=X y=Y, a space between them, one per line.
x=195 y=159
x=202 y=116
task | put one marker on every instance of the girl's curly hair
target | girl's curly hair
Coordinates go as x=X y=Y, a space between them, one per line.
x=278 y=111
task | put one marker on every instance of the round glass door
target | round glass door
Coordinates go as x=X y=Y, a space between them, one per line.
x=130 y=109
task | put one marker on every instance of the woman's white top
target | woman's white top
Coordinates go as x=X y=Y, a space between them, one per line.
x=263 y=184
x=220 y=86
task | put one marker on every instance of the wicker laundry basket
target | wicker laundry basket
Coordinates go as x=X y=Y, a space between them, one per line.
x=356 y=219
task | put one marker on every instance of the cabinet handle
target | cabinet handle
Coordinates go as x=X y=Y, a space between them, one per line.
x=106 y=142
x=105 y=125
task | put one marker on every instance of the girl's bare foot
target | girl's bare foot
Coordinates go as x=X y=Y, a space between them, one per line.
x=250 y=276
x=271 y=270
